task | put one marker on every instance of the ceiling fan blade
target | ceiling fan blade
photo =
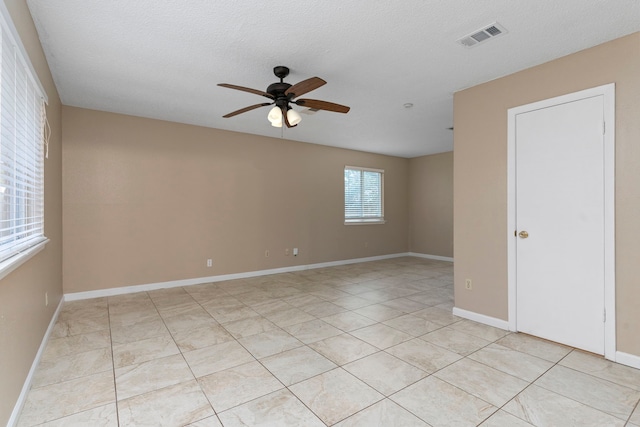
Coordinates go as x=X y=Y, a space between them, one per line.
x=304 y=87
x=322 y=105
x=285 y=119
x=245 y=109
x=247 y=89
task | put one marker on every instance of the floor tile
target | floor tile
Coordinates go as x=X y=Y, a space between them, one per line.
x=521 y=365
x=102 y=416
x=384 y=372
x=538 y=347
x=211 y=421
x=482 y=381
x=297 y=365
x=197 y=338
x=351 y=302
x=379 y=312
x=437 y=315
x=72 y=366
x=155 y=374
x=186 y=322
x=381 y=336
x=312 y=331
x=233 y=313
x=335 y=395
x=280 y=408
x=504 y=419
x=176 y=405
x=600 y=394
x=59 y=400
x=139 y=331
x=207 y=360
x=479 y=330
x=541 y=407
x=635 y=417
x=249 y=326
x=441 y=404
x=343 y=349
x=76 y=344
x=404 y=304
x=385 y=413
x=323 y=309
x=238 y=385
x=269 y=343
x=423 y=355
x=133 y=316
x=348 y=321
x=412 y=325
x=291 y=316
x=458 y=342
x=602 y=368
x=143 y=350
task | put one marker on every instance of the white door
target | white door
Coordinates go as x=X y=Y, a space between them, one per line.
x=560 y=277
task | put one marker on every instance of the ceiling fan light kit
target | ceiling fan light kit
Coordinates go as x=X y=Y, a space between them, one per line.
x=282 y=94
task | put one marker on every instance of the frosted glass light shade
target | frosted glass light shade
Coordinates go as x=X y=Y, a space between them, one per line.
x=294 y=117
x=275 y=115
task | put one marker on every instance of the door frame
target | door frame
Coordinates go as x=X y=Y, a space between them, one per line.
x=608 y=93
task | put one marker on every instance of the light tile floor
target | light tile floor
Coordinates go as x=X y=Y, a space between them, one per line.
x=370 y=344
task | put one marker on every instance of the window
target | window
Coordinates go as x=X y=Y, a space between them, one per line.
x=363 y=195
x=21 y=152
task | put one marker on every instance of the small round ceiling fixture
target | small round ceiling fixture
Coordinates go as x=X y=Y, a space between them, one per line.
x=408 y=105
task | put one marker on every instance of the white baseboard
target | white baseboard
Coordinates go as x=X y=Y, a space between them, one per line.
x=17 y=408
x=210 y=279
x=628 y=359
x=481 y=318
x=436 y=257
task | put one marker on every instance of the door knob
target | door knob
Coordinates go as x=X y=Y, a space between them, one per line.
x=523 y=234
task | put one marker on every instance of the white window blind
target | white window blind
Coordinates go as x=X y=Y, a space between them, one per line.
x=363 y=195
x=21 y=151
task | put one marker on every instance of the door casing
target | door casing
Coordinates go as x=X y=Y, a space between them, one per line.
x=608 y=93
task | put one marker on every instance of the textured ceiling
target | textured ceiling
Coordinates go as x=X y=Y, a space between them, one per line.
x=162 y=59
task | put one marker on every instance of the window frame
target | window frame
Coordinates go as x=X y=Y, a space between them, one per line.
x=365 y=220
x=20 y=253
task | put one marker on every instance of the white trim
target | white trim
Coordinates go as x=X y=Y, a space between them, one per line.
x=628 y=359
x=481 y=318
x=17 y=408
x=8 y=265
x=365 y=221
x=210 y=279
x=360 y=168
x=608 y=93
x=5 y=16
x=436 y=257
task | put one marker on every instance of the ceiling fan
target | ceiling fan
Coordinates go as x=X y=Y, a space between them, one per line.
x=282 y=94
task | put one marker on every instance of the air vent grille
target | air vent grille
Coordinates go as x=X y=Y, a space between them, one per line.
x=482 y=35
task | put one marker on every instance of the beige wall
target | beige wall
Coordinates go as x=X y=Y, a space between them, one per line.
x=23 y=315
x=431 y=204
x=148 y=201
x=480 y=175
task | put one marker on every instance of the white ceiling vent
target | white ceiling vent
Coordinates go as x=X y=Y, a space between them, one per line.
x=487 y=33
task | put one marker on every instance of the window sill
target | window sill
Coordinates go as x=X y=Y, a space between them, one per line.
x=365 y=222
x=7 y=266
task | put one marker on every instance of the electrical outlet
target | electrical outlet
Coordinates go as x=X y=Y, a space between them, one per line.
x=366 y=244
x=46 y=299
x=295 y=251
x=209 y=262
x=266 y=253
x=286 y=252
x=467 y=284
